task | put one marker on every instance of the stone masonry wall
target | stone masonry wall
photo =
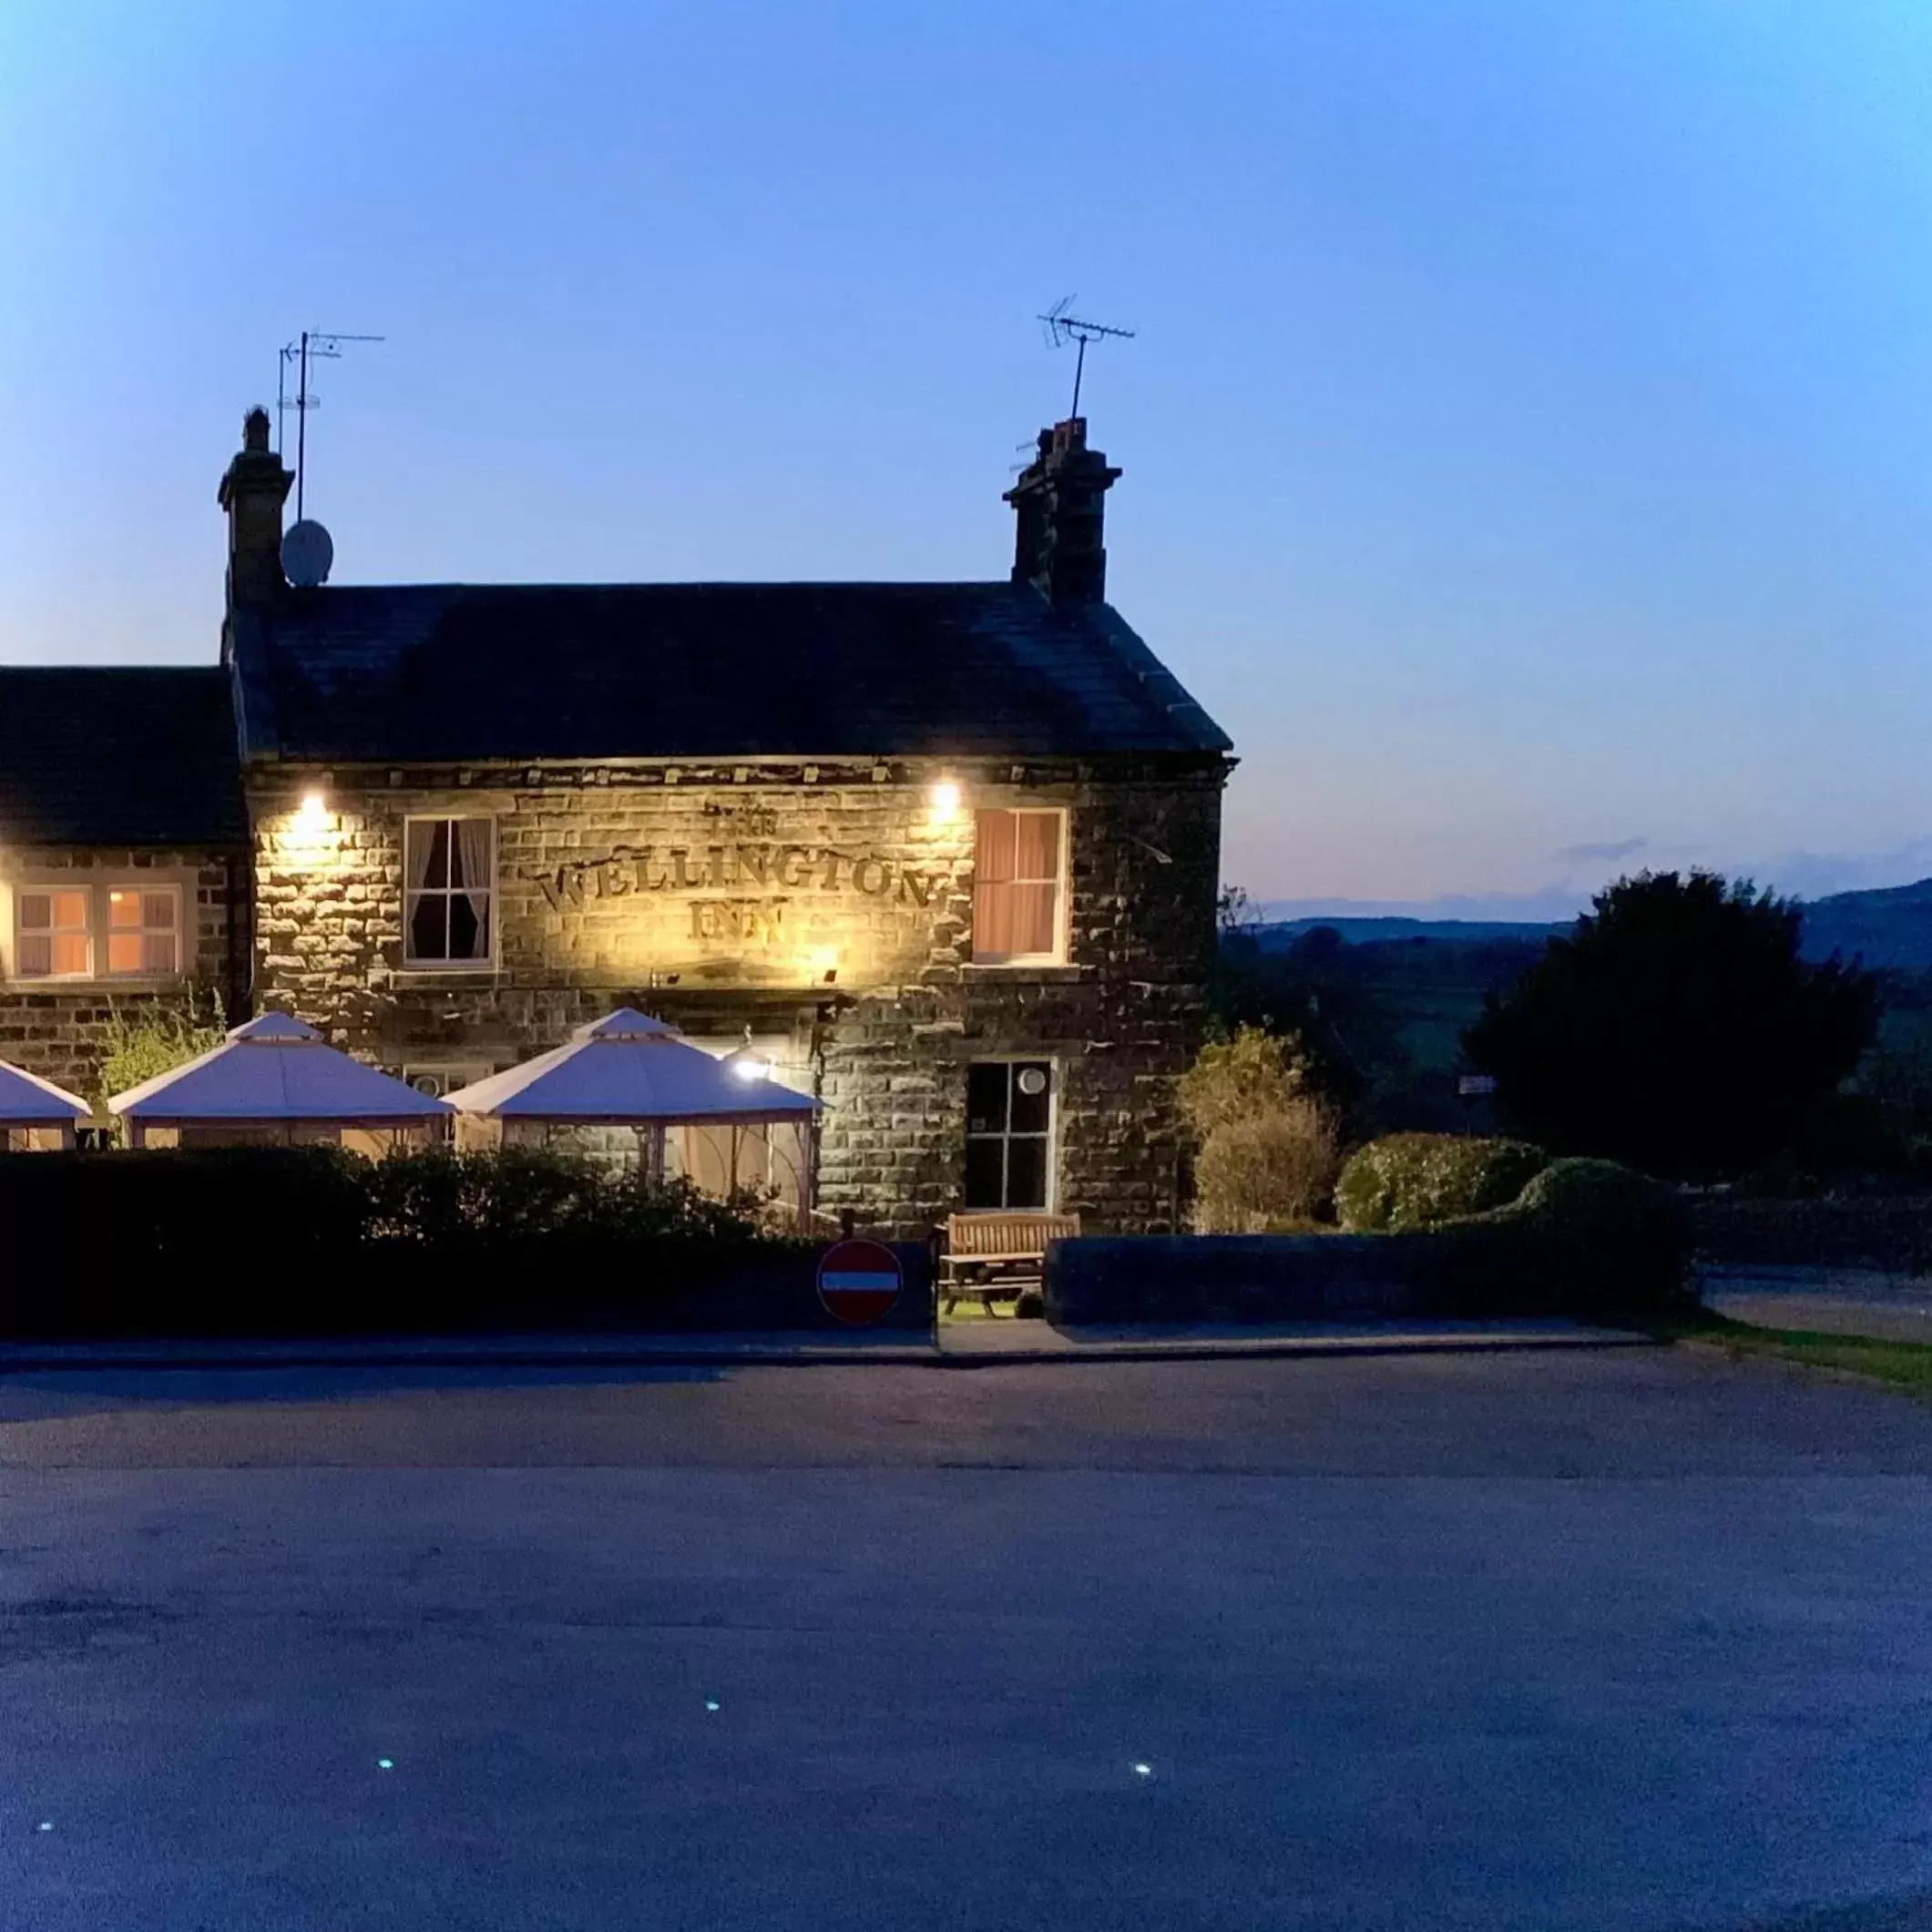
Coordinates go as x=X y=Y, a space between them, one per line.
x=58 y=1029
x=826 y=908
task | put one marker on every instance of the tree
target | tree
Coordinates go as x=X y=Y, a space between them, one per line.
x=1677 y=1029
x=1305 y=994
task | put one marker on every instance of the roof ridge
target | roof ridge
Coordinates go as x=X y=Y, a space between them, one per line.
x=322 y=592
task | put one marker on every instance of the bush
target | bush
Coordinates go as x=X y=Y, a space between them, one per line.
x=1265 y=1175
x=1415 y=1180
x=1266 y=1146
x=444 y=1197
x=155 y=1039
x=1586 y=1238
x=313 y=1239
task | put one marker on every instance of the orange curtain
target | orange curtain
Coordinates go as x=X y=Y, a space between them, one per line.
x=1016 y=889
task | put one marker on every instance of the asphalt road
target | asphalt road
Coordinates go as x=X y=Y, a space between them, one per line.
x=1635 y=1638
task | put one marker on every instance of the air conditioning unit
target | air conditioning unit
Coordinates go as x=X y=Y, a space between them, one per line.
x=440 y=1082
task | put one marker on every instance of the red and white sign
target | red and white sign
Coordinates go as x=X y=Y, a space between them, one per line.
x=859 y=1281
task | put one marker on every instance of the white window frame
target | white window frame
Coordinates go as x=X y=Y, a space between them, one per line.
x=1062 y=897
x=1054 y=1074
x=52 y=931
x=103 y=949
x=410 y=964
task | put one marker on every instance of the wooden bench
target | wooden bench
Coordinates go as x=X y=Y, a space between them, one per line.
x=997 y=1251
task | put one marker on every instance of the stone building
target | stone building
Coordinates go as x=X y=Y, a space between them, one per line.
x=124 y=859
x=945 y=855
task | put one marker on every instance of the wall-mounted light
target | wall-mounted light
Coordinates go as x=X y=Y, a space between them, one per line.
x=946 y=799
x=314 y=816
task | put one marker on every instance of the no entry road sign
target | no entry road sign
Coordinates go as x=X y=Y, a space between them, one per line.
x=859 y=1281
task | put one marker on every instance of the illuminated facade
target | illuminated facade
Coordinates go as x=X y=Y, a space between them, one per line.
x=945 y=854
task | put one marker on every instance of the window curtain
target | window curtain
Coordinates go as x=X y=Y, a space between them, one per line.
x=158 y=950
x=419 y=847
x=1036 y=845
x=474 y=838
x=1015 y=890
x=994 y=852
x=1036 y=864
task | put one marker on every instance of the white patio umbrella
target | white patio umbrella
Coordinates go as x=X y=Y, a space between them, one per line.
x=274 y=1072
x=28 y=1101
x=628 y=1069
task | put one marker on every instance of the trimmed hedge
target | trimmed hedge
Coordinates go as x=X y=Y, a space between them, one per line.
x=1417 y=1180
x=1892 y=1233
x=1586 y=1239
x=310 y=1241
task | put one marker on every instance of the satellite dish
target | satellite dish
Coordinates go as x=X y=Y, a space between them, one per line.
x=307 y=552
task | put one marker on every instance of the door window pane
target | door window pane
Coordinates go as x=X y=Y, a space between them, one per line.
x=985 y=1174
x=1032 y=1106
x=1010 y=1133
x=1027 y=1171
x=986 y=1088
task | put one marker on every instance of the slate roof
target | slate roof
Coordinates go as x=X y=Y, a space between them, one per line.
x=450 y=671
x=119 y=756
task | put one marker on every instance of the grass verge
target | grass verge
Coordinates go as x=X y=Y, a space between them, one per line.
x=1904 y=1365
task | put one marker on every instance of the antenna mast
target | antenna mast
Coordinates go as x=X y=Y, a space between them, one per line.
x=313 y=344
x=1062 y=328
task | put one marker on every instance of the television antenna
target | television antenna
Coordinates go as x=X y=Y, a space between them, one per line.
x=1062 y=328
x=313 y=345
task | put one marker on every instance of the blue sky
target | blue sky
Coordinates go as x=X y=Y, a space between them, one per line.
x=1526 y=441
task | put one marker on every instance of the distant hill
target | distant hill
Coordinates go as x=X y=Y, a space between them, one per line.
x=1280 y=935
x=1891 y=928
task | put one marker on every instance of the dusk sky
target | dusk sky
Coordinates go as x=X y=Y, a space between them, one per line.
x=1528 y=439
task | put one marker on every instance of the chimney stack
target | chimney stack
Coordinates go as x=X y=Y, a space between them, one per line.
x=1060 y=501
x=252 y=493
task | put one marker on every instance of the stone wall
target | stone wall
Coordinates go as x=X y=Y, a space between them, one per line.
x=827 y=909
x=57 y=1028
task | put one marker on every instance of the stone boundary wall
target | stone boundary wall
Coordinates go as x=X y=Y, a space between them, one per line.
x=1235 y=1278
x=782 y=1293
